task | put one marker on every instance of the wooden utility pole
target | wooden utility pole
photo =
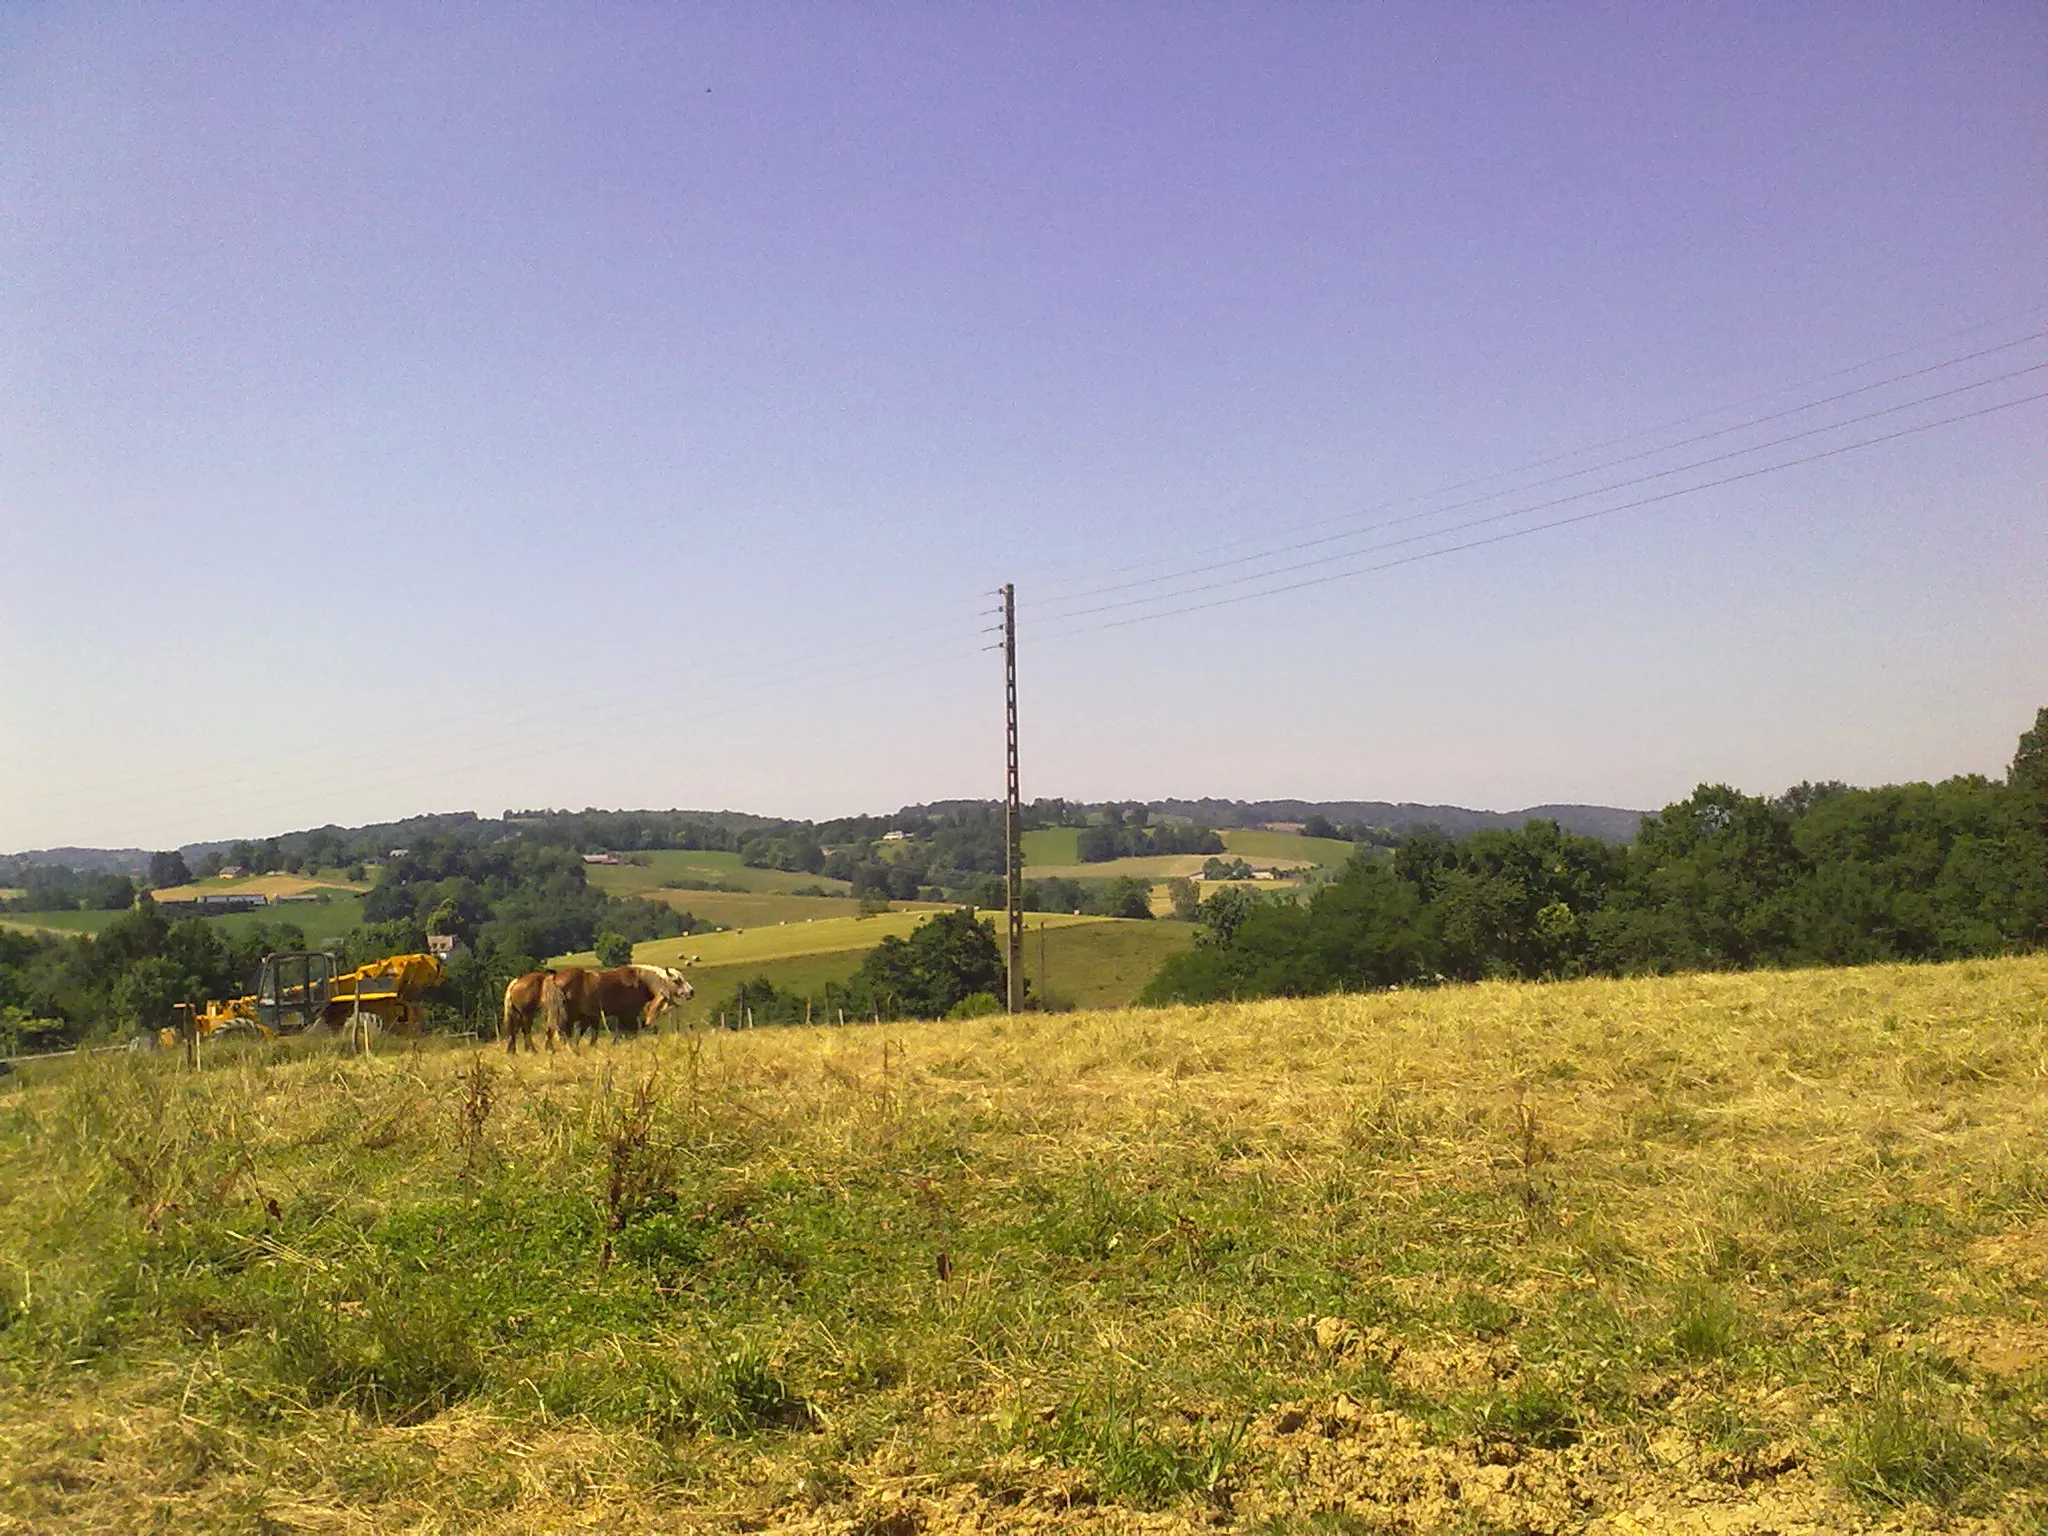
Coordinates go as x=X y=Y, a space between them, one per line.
x=1013 y=887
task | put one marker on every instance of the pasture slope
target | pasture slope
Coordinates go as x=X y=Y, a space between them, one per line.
x=1730 y=1253
x=1083 y=962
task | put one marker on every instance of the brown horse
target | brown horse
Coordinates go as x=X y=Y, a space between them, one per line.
x=575 y=999
x=522 y=1007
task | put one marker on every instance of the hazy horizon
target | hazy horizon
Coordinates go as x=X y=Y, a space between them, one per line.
x=636 y=407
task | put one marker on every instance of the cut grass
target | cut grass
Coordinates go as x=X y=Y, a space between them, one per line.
x=1491 y=1258
x=262 y=885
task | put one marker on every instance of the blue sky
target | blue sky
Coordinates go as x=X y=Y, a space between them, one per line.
x=633 y=405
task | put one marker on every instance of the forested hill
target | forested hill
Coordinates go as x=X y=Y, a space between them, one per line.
x=1609 y=823
x=594 y=829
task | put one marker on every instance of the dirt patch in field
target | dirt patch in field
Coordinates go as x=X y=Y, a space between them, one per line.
x=1997 y=1346
x=2020 y=1255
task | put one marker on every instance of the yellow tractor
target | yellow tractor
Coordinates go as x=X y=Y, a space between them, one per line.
x=303 y=989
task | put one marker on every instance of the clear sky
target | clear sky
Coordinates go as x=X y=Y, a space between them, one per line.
x=409 y=408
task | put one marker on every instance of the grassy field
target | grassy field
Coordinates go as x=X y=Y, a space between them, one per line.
x=58 y=922
x=755 y=909
x=1103 y=964
x=1090 y=962
x=1051 y=852
x=1761 y=1253
x=322 y=922
x=1259 y=847
x=695 y=864
x=262 y=885
x=785 y=940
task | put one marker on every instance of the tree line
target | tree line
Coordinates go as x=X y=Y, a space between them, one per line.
x=1821 y=875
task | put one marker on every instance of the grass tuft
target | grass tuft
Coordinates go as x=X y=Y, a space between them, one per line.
x=1134 y=1456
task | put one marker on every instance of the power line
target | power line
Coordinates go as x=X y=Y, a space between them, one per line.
x=1562 y=522
x=1628 y=437
x=1274 y=551
x=1602 y=490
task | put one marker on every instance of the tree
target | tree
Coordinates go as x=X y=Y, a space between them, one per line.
x=949 y=957
x=1125 y=896
x=1186 y=897
x=2029 y=772
x=1318 y=825
x=110 y=893
x=169 y=869
x=150 y=988
x=613 y=949
x=1098 y=845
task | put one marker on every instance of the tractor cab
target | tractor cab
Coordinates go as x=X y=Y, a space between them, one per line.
x=294 y=988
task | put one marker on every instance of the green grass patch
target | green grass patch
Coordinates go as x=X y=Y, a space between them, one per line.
x=1256 y=845
x=701 y=866
x=58 y=922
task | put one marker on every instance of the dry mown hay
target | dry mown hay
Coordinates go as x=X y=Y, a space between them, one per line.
x=1716 y=1254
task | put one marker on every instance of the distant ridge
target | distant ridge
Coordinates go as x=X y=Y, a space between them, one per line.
x=1609 y=823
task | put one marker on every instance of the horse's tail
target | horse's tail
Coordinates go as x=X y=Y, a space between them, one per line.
x=508 y=1018
x=554 y=1009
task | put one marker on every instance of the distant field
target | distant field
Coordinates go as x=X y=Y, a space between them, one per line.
x=699 y=864
x=1051 y=845
x=57 y=922
x=785 y=941
x=1089 y=961
x=320 y=921
x=1260 y=846
x=1097 y=962
x=1162 y=902
x=1050 y=854
x=753 y=909
x=260 y=885
x=1104 y=964
x=1158 y=866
